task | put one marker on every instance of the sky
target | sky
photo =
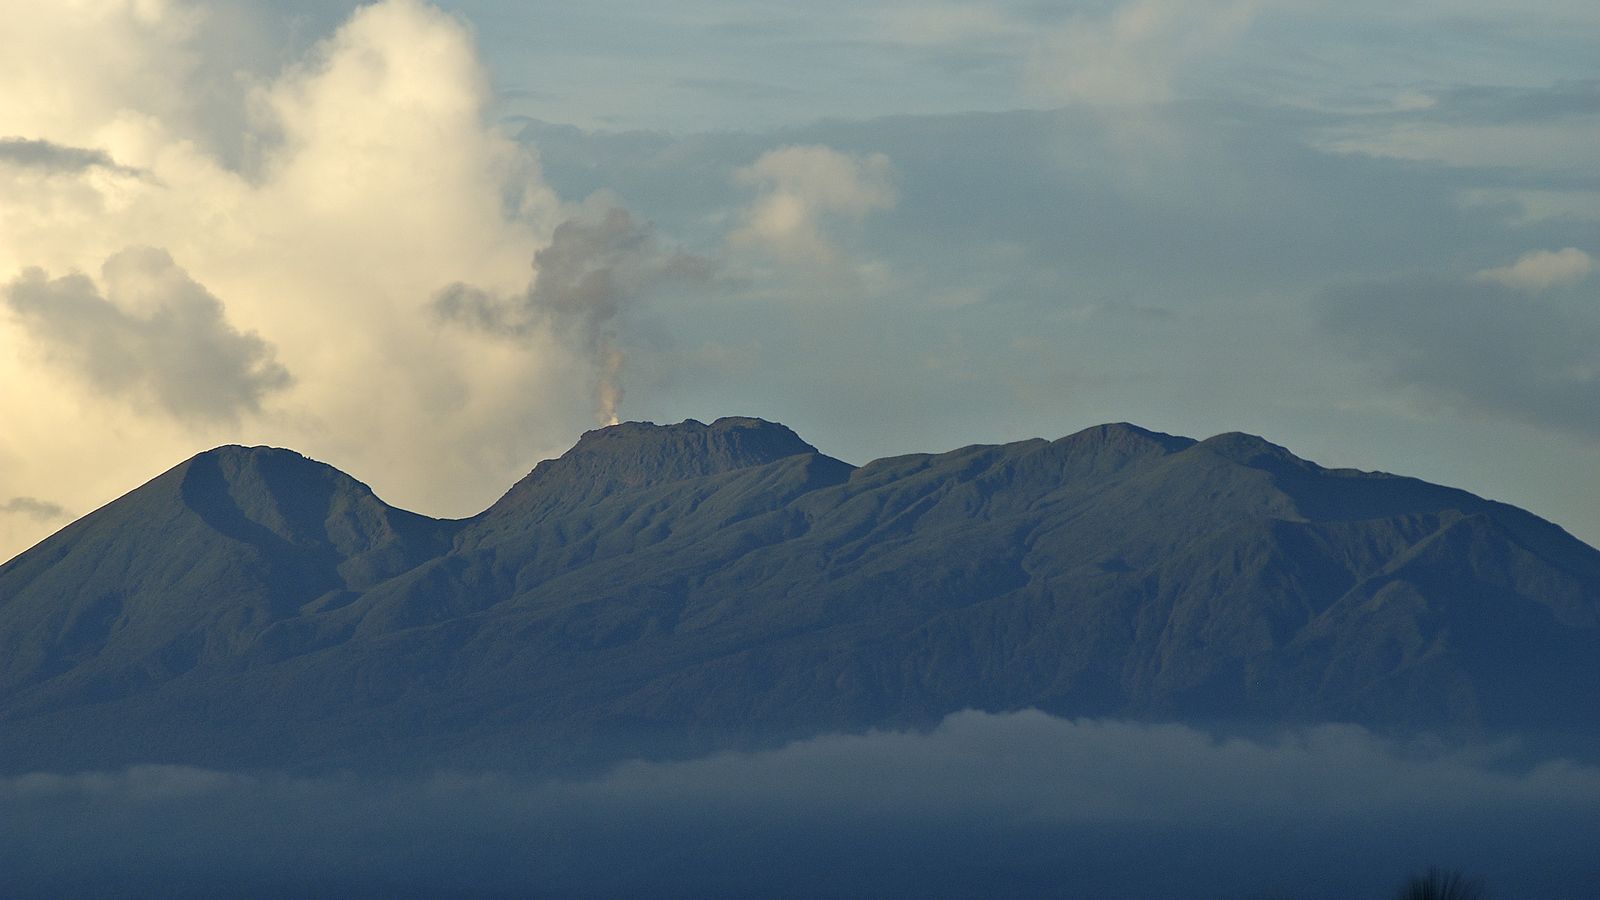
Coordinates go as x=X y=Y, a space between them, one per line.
x=433 y=244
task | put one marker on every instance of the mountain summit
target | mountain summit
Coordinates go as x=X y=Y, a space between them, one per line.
x=635 y=455
x=672 y=589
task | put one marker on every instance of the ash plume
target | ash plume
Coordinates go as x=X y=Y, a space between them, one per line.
x=597 y=267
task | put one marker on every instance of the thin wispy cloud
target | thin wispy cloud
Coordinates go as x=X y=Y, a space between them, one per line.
x=1135 y=52
x=1540 y=270
x=34 y=508
x=1503 y=343
x=57 y=158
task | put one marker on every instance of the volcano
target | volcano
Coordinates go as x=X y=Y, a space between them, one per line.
x=661 y=591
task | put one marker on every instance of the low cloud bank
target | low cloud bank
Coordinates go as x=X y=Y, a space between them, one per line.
x=982 y=805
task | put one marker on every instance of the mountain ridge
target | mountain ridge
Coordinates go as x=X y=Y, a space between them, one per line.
x=662 y=587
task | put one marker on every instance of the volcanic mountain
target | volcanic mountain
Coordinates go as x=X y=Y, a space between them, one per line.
x=665 y=590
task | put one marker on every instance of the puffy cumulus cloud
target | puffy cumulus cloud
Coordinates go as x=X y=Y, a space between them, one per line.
x=34 y=508
x=1541 y=270
x=1009 y=804
x=1135 y=52
x=598 y=265
x=90 y=72
x=156 y=335
x=1482 y=345
x=322 y=206
x=801 y=190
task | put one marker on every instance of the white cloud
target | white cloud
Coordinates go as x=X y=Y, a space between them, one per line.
x=1541 y=270
x=78 y=72
x=374 y=179
x=801 y=190
x=1135 y=53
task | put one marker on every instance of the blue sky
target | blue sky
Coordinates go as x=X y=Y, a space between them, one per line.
x=433 y=244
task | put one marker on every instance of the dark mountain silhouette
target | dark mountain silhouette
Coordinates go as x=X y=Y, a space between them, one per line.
x=672 y=589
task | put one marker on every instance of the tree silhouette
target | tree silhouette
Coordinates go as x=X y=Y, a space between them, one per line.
x=1441 y=885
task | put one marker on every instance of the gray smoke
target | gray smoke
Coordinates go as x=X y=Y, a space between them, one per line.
x=596 y=268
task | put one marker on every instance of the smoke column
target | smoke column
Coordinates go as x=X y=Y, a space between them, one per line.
x=609 y=389
x=599 y=264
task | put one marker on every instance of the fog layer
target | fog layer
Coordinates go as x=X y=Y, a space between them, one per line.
x=1018 y=803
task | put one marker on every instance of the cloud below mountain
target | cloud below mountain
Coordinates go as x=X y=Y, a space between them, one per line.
x=1085 y=807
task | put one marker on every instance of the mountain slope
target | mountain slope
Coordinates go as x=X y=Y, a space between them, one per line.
x=190 y=568
x=678 y=588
